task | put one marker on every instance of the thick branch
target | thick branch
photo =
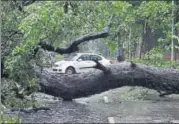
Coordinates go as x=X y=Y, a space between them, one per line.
x=101 y=67
x=74 y=46
x=12 y=33
x=27 y=2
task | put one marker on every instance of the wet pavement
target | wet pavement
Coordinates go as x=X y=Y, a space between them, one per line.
x=94 y=110
x=151 y=110
x=65 y=112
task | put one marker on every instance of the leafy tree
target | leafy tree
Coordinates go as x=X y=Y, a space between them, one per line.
x=137 y=26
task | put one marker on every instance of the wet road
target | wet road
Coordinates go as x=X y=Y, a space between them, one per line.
x=94 y=109
x=153 y=109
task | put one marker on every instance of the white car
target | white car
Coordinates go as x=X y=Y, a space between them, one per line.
x=79 y=62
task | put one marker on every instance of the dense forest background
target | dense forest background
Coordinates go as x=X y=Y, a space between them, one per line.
x=142 y=28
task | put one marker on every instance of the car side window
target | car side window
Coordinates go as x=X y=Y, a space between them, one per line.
x=95 y=57
x=84 y=57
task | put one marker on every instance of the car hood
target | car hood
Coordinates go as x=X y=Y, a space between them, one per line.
x=60 y=62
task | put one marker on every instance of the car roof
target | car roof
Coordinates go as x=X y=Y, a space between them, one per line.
x=88 y=53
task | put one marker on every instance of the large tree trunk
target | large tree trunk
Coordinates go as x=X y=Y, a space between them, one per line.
x=165 y=81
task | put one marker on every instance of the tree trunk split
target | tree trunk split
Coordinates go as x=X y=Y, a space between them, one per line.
x=124 y=74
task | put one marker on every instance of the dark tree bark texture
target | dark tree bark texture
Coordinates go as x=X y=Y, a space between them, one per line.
x=165 y=81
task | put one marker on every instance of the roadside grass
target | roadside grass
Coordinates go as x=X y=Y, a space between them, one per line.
x=135 y=93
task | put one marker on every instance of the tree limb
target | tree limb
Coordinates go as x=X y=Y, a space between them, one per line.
x=30 y=110
x=12 y=33
x=27 y=2
x=74 y=46
x=101 y=67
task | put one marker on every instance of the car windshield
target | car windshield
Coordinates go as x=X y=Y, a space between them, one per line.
x=70 y=57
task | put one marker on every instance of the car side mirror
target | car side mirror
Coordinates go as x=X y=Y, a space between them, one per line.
x=79 y=60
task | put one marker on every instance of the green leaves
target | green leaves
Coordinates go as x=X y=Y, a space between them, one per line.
x=111 y=44
x=45 y=21
x=155 y=13
x=177 y=38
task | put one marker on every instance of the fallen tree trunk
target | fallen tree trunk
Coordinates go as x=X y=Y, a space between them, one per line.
x=124 y=74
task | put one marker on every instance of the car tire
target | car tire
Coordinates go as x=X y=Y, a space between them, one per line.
x=70 y=70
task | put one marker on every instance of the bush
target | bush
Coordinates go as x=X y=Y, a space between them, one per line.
x=6 y=119
x=158 y=63
x=155 y=58
x=135 y=93
x=9 y=96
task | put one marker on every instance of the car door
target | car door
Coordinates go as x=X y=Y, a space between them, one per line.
x=83 y=62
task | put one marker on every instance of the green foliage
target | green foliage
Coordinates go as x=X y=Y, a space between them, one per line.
x=156 y=53
x=5 y=119
x=47 y=22
x=177 y=44
x=155 y=58
x=156 y=13
x=158 y=63
x=9 y=91
x=135 y=93
x=59 y=57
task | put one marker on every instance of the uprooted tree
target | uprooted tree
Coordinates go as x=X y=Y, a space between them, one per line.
x=118 y=75
x=165 y=81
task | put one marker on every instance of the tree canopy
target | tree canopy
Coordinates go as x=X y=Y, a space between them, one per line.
x=139 y=27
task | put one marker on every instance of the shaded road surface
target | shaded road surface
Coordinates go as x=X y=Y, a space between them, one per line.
x=93 y=109
x=66 y=112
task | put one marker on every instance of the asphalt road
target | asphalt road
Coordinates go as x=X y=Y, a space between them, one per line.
x=94 y=110
x=152 y=109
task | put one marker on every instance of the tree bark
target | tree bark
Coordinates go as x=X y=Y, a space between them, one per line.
x=165 y=81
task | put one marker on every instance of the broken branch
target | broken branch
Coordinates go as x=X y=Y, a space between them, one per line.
x=101 y=67
x=74 y=46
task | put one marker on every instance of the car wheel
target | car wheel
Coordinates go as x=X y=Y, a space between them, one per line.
x=70 y=70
